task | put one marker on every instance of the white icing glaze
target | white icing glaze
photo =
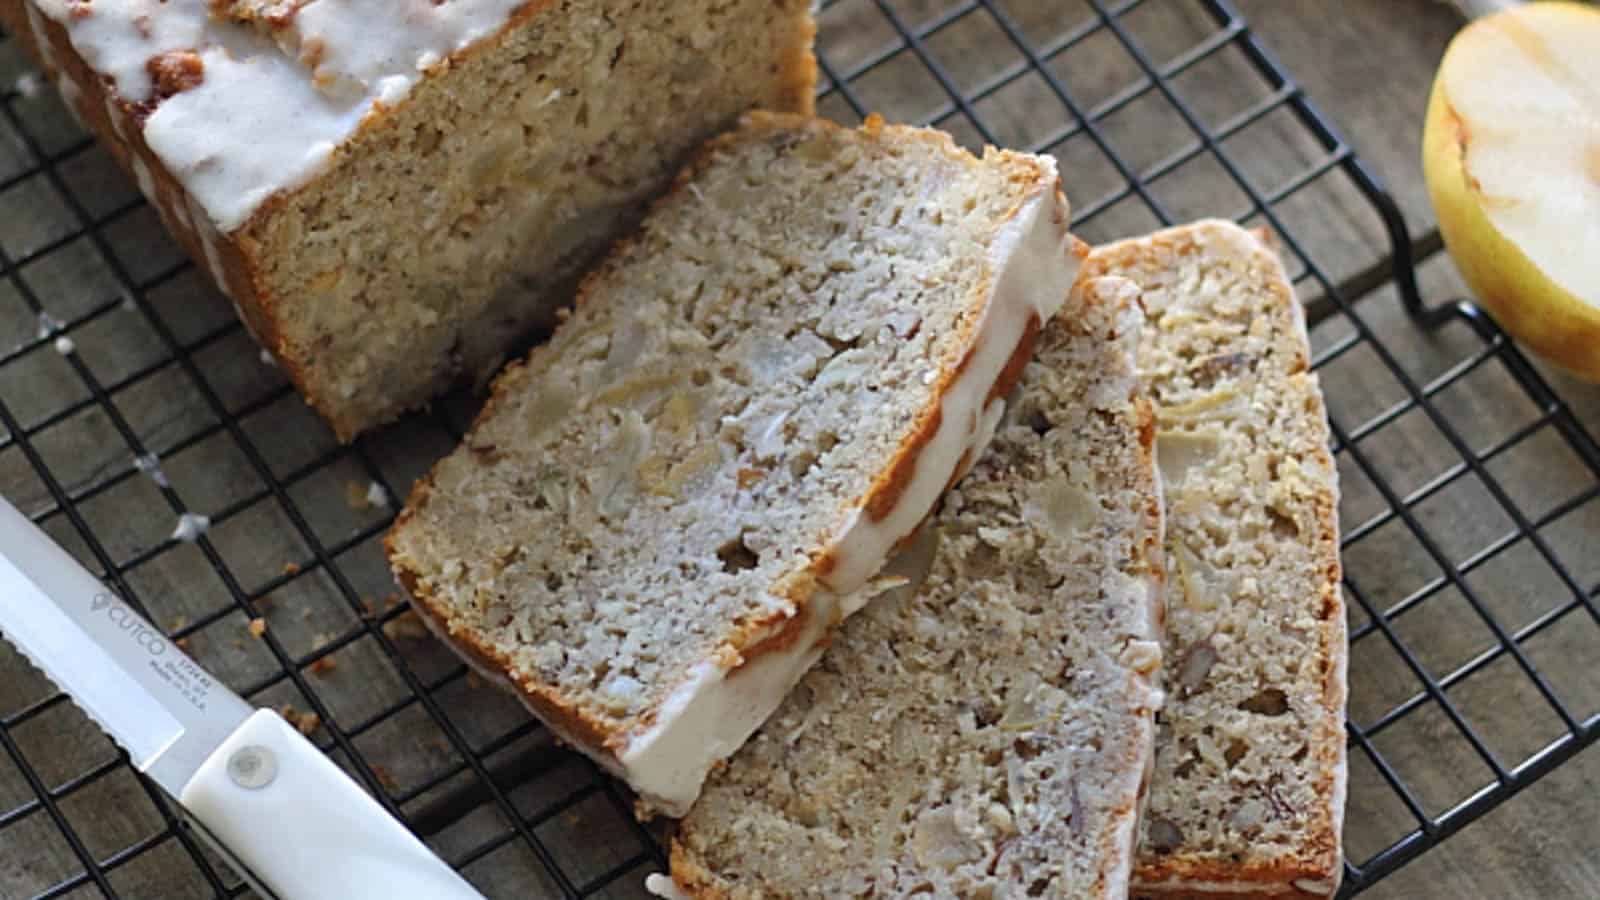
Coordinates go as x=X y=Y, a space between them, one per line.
x=207 y=235
x=1033 y=269
x=713 y=712
x=150 y=464
x=27 y=85
x=65 y=346
x=376 y=495
x=260 y=121
x=190 y=527
x=48 y=325
x=664 y=887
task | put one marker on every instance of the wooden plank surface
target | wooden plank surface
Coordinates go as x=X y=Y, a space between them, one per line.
x=1367 y=64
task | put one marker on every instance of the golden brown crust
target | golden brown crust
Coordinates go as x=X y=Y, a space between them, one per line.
x=563 y=715
x=785 y=637
x=1263 y=877
x=565 y=718
x=1012 y=372
x=691 y=877
x=890 y=485
x=798 y=94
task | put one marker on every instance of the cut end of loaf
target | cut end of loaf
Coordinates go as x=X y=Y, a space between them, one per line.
x=665 y=510
x=391 y=224
x=486 y=193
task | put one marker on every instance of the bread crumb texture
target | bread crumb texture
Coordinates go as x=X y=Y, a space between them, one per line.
x=659 y=481
x=1249 y=780
x=986 y=735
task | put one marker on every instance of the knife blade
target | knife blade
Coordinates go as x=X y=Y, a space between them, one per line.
x=148 y=695
x=294 y=823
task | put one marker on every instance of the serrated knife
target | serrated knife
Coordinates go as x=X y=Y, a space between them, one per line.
x=293 y=823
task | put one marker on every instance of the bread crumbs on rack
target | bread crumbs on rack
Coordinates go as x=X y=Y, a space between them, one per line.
x=291 y=569
x=178 y=624
x=304 y=722
x=322 y=666
x=355 y=495
x=384 y=778
x=258 y=627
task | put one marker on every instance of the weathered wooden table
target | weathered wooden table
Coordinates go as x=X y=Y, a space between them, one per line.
x=160 y=405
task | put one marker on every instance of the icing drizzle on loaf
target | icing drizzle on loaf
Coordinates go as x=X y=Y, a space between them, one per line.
x=241 y=99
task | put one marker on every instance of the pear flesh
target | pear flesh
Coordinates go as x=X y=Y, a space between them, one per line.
x=1511 y=151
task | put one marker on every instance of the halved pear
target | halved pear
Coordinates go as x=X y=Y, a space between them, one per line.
x=1511 y=152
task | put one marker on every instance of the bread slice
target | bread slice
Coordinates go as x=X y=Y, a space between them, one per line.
x=1250 y=767
x=394 y=191
x=989 y=734
x=654 y=525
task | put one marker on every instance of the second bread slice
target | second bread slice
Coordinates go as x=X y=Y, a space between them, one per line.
x=653 y=526
x=988 y=735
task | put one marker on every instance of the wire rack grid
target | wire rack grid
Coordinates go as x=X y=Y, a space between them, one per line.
x=129 y=397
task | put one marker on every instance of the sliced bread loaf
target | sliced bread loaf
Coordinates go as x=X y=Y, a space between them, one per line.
x=656 y=521
x=989 y=733
x=394 y=191
x=1250 y=767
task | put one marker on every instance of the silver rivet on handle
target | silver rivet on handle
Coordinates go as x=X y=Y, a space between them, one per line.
x=252 y=768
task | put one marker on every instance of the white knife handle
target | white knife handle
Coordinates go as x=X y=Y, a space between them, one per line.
x=304 y=828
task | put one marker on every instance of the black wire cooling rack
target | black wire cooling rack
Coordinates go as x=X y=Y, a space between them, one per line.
x=129 y=397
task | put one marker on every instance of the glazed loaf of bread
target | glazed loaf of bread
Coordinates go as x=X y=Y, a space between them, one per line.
x=988 y=734
x=653 y=527
x=393 y=191
x=1249 y=787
